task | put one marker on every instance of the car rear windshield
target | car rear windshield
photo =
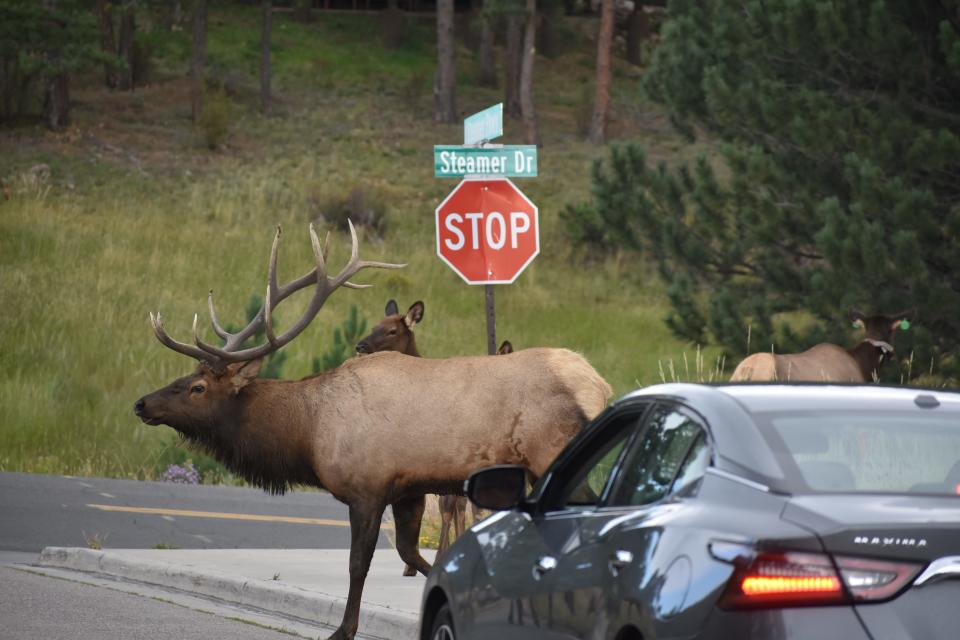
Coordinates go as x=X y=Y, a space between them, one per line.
x=866 y=452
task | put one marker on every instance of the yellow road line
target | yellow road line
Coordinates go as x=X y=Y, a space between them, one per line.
x=227 y=516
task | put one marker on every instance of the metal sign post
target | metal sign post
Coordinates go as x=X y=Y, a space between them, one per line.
x=491 y=321
x=487 y=229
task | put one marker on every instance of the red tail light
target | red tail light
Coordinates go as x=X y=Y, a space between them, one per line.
x=792 y=579
x=784 y=579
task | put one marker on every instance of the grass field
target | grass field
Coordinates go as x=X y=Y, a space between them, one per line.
x=136 y=216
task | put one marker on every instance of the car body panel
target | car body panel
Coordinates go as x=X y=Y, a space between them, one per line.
x=921 y=613
x=910 y=528
x=672 y=583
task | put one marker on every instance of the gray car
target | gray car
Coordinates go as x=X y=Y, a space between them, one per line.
x=738 y=511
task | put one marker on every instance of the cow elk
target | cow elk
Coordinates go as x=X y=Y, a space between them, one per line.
x=395 y=333
x=829 y=362
x=380 y=430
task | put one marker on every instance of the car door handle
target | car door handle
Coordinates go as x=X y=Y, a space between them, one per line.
x=543 y=565
x=618 y=560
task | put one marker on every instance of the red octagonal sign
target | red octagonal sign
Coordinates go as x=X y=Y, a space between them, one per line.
x=487 y=231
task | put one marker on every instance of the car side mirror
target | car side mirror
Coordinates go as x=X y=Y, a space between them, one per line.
x=497 y=488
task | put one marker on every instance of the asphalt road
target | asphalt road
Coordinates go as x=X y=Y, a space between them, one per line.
x=34 y=607
x=37 y=511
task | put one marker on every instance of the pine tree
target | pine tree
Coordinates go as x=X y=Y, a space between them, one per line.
x=344 y=338
x=837 y=183
x=41 y=45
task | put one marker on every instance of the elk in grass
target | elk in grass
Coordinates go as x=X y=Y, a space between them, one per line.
x=829 y=362
x=380 y=430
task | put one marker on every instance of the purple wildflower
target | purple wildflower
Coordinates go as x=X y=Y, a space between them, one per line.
x=187 y=474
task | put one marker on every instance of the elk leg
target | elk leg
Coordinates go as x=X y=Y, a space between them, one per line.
x=409 y=570
x=446 y=518
x=364 y=531
x=407 y=515
x=459 y=516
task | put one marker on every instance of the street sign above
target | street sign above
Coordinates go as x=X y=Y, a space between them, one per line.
x=517 y=161
x=487 y=231
x=483 y=125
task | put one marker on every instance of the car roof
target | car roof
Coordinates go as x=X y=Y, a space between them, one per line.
x=761 y=397
x=798 y=397
x=729 y=410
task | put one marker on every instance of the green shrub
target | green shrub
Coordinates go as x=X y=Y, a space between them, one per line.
x=360 y=205
x=345 y=338
x=215 y=118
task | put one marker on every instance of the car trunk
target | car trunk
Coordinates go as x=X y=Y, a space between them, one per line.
x=920 y=530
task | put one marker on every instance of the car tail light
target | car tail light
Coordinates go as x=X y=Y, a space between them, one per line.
x=784 y=579
x=869 y=580
x=792 y=579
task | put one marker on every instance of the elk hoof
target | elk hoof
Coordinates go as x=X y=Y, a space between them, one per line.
x=340 y=634
x=409 y=570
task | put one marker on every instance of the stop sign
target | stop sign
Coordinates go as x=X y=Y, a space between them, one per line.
x=487 y=231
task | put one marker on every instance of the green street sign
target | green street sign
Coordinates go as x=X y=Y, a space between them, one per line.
x=514 y=161
x=484 y=125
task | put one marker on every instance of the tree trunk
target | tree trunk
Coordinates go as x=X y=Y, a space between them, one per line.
x=393 y=25
x=265 y=57
x=128 y=27
x=488 y=64
x=6 y=88
x=637 y=30
x=513 y=64
x=531 y=132
x=601 y=102
x=107 y=43
x=56 y=89
x=304 y=10
x=176 y=14
x=56 y=102
x=198 y=62
x=445 y=110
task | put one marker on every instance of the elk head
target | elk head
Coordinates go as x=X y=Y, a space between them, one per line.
x=195 y=404
x=879 y=330
x=206 y=404
x=394 y=332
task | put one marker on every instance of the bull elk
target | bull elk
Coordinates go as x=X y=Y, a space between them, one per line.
x=829 y=362
x=395 y=333
x=380 y=430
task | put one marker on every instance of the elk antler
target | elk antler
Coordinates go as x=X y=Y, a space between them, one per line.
x=325 y=285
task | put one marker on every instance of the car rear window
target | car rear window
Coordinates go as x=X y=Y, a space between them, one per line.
x=868 y=452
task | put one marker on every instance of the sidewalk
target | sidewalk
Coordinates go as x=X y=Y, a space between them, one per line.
x=309 y=584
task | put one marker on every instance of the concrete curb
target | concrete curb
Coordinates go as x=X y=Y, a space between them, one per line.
x=375 y=620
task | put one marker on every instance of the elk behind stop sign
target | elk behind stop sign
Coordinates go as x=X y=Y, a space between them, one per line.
x=487 y=231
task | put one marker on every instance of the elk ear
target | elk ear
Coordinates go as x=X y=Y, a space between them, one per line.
x=856 y=318
x=414 y=314
x=240 y=374
x=505 y=348
x=392 y=308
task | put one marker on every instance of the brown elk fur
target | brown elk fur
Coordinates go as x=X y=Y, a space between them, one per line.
x=376 y=431
x=829 y=362
x=395 y=333
x=384 y=430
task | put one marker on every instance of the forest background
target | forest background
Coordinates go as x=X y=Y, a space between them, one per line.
x=715 y=178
